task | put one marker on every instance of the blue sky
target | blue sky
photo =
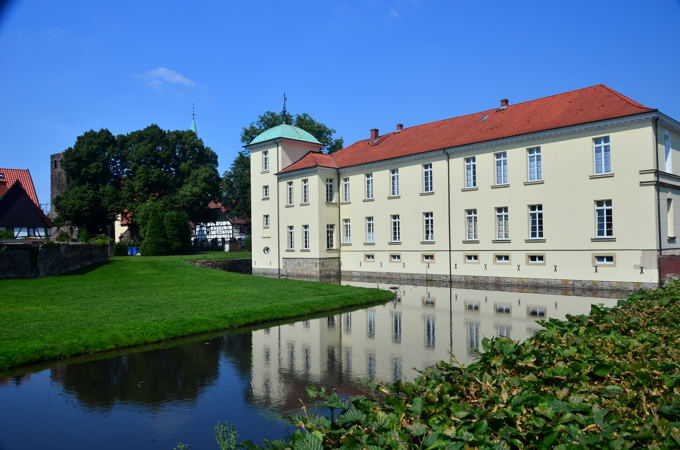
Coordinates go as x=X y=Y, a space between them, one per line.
x=70 y=66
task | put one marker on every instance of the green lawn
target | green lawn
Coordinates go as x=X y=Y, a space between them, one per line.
x=137 y=300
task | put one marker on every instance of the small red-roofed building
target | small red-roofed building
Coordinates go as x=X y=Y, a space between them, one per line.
x=20 y=211
x=574 y=190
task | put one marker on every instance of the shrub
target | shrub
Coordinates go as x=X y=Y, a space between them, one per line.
x=6 y=234
x=120 y=249
x=83 y=235
x=248 y=243
x=62 y=236
x=177 y=230
x=100 y=239
x=154 y=243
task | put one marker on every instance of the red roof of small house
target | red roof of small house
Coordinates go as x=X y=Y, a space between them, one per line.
x=21 y=175
x=585 y=105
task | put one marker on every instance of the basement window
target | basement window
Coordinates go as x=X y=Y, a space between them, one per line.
x=536 y=311
x=503 y=309
x=369 y=257
x=472 y=306
x=395 y=258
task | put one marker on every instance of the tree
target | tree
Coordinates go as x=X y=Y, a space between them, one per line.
x=236 y=186
x=155 y=242
x=176 y=225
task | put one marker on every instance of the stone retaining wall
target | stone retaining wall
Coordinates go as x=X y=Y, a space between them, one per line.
x=227 y=265
x=312 y=268
x=35 y=259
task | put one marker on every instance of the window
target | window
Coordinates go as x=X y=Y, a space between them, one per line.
x=502 y=230
x=370 y=229
x=604 y=227
x=330 y=236
x=470 y=172
x=430 y=332
x=535 y=221
x=290 y=196
x=369 y=257
x=428 y=226
x=265 y=160
x=395 y=258
x=670 y=219
x=471 y=258
x=428 y=258
x=305 y=190
x=329 y=190
x=604 y=260
x=602 y=154
x=394 y=182
x=346 y=231
x=667 y=152
x=369 y=186
x=535 y=259
x=472 y=306
x=503 y=309
x=265 y=192
x=534 y=164
x=291 y=238
x=536 y=311
x=501 y=168
x=370 y=328
x=502 y=259
x=427 y=178
x=265 y=221
x=471 y=224
x=305 y=237
x=345 y=189
x=396 y=228
x=396 y=326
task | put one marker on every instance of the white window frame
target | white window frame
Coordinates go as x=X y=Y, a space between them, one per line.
x=536 y=224
x=602 y=145
x=305 y=190
x=501 y=168
x=502 y=258
x=369 y=186
x=395 y=258
x=265 y=221
x=604 y=215
x=428 y=227
x=330 y=236
x=394 y=182
x=395 y=228
x=265 y=191
x=428 y=184
x=470 y=172
x=536 y=258
x=330 y=190
x=604 y=260
x=346 y=231
x=291 y=238
x=534 y=164
x=667 y=152
x=502 y=223
x=305 y=237
x=345 y=190
x=290 y=197
x=370 y=229
x=265 y=160
x=471 y=225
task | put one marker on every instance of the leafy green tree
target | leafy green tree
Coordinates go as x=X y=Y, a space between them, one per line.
x=236 y=186
x=153 y=231
x=177 y=231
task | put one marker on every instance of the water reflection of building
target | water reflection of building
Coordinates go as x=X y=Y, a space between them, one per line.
x=386 y=342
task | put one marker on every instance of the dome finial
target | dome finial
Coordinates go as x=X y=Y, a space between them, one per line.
x=284 y=112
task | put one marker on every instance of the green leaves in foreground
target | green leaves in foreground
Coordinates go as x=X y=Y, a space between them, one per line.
x=610 y=379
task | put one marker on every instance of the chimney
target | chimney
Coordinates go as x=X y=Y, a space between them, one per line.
x=504 y=103
x=400 y=126
x=374 y=134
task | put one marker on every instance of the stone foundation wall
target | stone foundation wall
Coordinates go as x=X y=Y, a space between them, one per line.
x=244 y=266
x=312 y=268
x=552 y=283
x=25 y=259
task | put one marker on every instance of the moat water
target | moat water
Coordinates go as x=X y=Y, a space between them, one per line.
x=159 y=396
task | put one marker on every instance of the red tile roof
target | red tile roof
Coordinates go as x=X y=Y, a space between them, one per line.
x=585 y=105
x=23 y=176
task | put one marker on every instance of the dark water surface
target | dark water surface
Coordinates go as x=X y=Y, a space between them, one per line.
x=156 y=398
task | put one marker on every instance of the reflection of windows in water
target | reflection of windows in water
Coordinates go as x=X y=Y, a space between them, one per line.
x=267 y=389
x=291 y=356
x=536 y=311
x=331 y=321
x=428 y=301
x=503 y=331
x=330 y=360
x=396 y=327
x=267 y=355
x=371 y=366
x=267 y=331
x=307 y=358
x=347 y=319
x=532 y=331
x=472 y=306
x=472 y=338
x=306 y=323
x=503 y=309
x=347 y=361
x=396 y=369
x=429 y=332
x=370 y=330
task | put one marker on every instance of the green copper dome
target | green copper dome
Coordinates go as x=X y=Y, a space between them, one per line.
x=287 y=132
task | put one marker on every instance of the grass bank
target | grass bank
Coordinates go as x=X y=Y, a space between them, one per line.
x=607 y=380
x=139 y=300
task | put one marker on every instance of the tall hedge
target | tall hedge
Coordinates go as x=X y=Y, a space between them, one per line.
x=176 y=226
x=155 y=242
